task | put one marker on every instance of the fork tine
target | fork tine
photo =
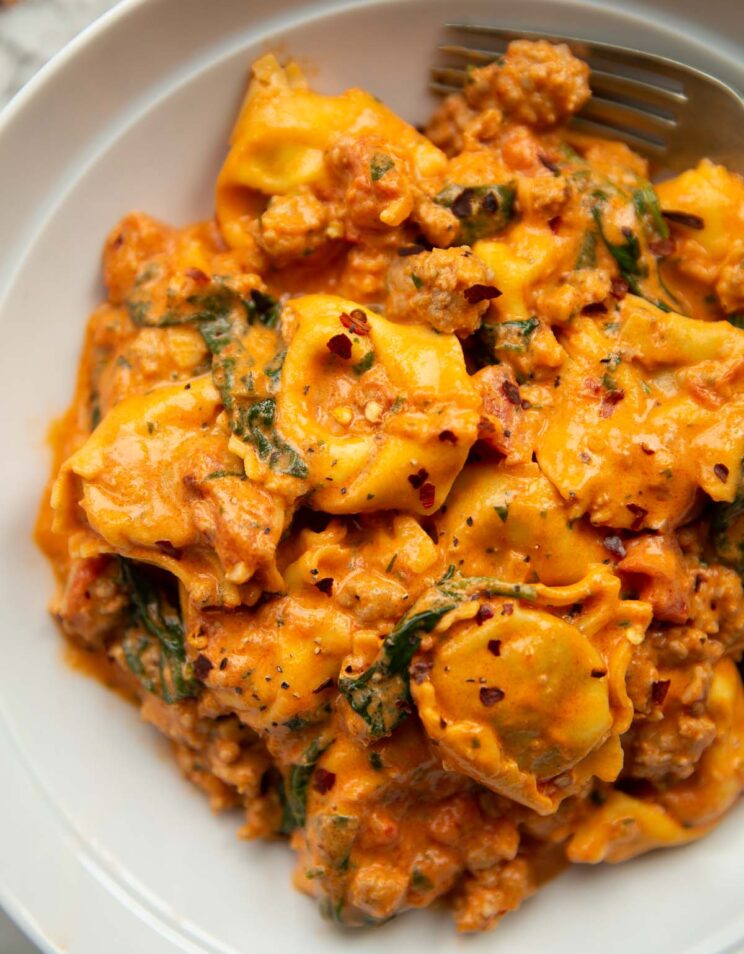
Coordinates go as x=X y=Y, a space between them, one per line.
x=627 y=117
x=616 y=85
x=649 y=147
x=450 y=76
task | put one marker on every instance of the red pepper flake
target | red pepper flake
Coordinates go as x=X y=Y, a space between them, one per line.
x=721 y=471
x=494 y=647
x=223 y=664
x=328 y=684
x=507 y=609
x=323 y=780
x=511 y=393
x=490 y=695
x=427 y=495
x=420 y=670
x=555 y=223
x=548 y=163
x=614 y=545
x=202 y=666
x=118 y=241
x=198 y=276
x=619 y=288
x=599 y=673
x=356 y=321
x=659 y=691
x=484 y=612
x=419 y=479
x=662 y=247
x=594 y=308
x=646 y=449
x=639 y=513
x=448 y=437
x=688 y=219
x=478 y=293
x=609 y=400
x=340 y=345
x=325 y=585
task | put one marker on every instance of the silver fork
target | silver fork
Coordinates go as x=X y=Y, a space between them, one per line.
x=671 y=113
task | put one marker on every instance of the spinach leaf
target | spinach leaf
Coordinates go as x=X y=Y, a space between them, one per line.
x=262 y=309
x=512 y=336
x=587 y=257
x=255 y=424
x=159 y=626
x=298 y=782
x=627 y=254
x=483 y=211
x=648 y=210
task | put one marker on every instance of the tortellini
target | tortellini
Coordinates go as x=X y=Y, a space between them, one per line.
x=157 y=483
x=648 y=414
x=383 y=414
x=513 y=523
x=528 y=702
x=624 y=825
x=282 y=135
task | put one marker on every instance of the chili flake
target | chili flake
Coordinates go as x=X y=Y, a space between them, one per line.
x=356 y=321
x=427 y=495
x=197 y=275
x=659 y=690
x=325 y=585
x=340 y=345
x=494 y=647
x=490 y=695
x=721 y=471
x=448 y=437
x=511 y=393
x=202 y=666
x=639 y=513
x=484 y=612
x=417 y=480
x=323 y=780
x=478 y=293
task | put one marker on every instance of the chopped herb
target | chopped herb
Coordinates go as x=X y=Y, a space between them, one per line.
x=503 y=511
x=587 y=257
x=391 y=564
x=364 y=364
x=379 y=165
x=416 y=280
x=218 y=474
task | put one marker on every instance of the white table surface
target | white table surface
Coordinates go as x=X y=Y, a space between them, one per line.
x=31 y=31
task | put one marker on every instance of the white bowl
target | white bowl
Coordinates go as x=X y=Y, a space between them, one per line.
x=105 y=849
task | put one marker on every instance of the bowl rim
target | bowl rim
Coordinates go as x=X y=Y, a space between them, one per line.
x=121 y=11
